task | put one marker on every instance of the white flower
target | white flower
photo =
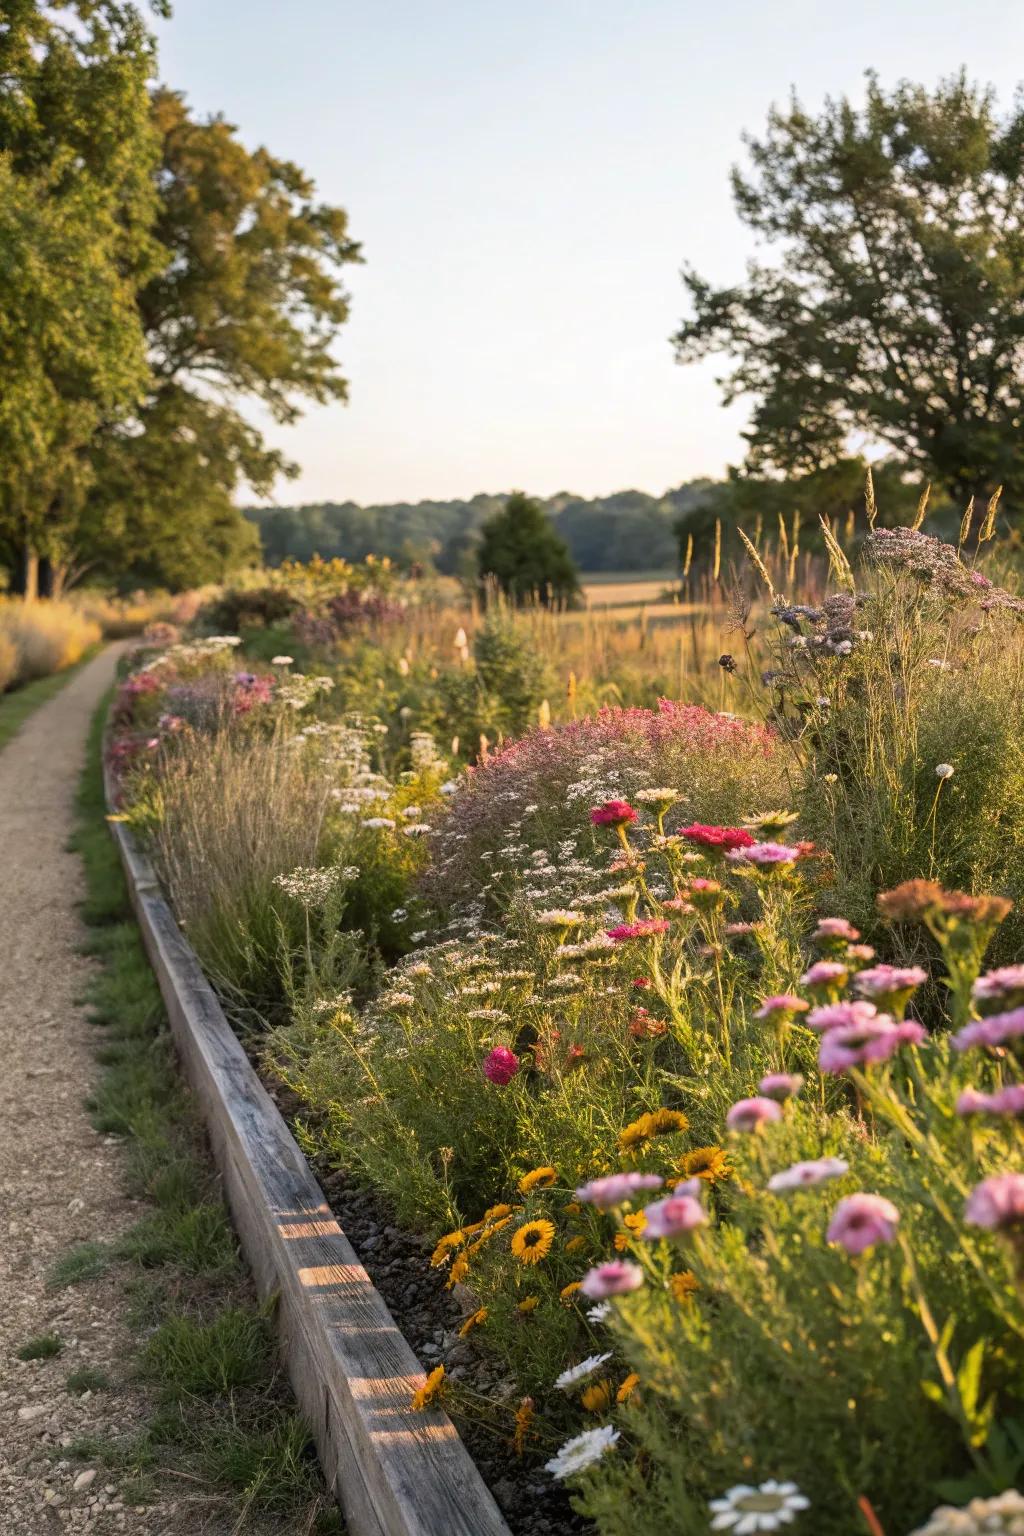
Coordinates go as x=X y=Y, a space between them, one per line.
x=559 y=917
x=1001 y=1516
x=577 y=1373
x=600 y=1312
x=745 y=1510
x=582 y=1451
x=376 y=822
x=802 y=1175
x=656 y=796
x=944 y=770
x=281 y=661
x=417 y=829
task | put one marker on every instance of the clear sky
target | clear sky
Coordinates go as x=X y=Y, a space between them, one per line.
x=527 y=177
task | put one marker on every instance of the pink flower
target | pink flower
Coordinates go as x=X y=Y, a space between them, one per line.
x=673 y=1217
x=804 y=1175
x=996 y=1202
x=615 y=1188
x=780 y=1085
x=640 y=930
x=717 y=839
x=615 y=1278
x=781 y=1005
x=860 y=1221
x=765 y=855
x=826 y=974
x=749 y=1114
x=836 y=928
x=1005 y=1101
x=887 y=981
x=994 y=1030
x=613 y=813
x=841 y=1016
x=500 y=1066
x=1004 y=985
x=860 y=952
x=841 y=1048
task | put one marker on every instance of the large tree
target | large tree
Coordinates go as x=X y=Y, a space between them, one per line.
x=893 y=312
x=246 y=310
x=78 y=196
x=521 y=551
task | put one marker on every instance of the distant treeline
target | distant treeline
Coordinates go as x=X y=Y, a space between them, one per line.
x=629 y=531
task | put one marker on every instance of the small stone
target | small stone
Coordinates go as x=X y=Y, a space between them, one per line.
x=84 y=1479
x=35 y=1411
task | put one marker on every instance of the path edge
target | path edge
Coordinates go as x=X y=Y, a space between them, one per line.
x=394 y=1472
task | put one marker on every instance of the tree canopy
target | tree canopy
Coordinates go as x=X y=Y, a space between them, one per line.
x=520 y=549
x=893 y=312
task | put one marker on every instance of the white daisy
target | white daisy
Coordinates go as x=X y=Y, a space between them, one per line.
x=582 y=1451
x=577 y=1373
x=600 y=1312
x=745 y=1510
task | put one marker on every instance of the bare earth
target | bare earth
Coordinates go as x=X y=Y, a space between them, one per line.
x=60 y=1183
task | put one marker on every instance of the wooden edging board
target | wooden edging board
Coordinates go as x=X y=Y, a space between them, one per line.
x=394 y=1472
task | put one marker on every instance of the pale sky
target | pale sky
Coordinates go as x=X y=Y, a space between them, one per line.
x=527 y=177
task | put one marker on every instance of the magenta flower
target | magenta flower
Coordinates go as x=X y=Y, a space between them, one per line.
x=717 y=839
x=780 y=1085
x=764 y=855
x=781 y=1006
x=861 y=1221
x=887 y=982
x=842 y=1016
x=673 y=1217
x=640 y=930
x=1005 y=1101
x=750 y=1114
x=836 y=928
x=615 y=1278
x=615 y=1188
x=804 y=1175
x=500 y=1066
x=1003 y=985
x=995 y=1030
x=613 y=813
x=825 y=974
x=842 y=1049
x=996 y=1202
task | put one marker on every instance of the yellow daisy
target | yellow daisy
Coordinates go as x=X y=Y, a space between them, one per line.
x=596 y=1398
x=627 y=1388
x=532 y=1241
x=445 y=1247
x=569 y=1291
x=430 y=1390
x=575 y=1244
x=473 y=1321
x=667 y=1122
x=497 y=1212
x=539 y=1178
x=707 y=1163
x=637 y=1223
x=528 y=1303
x=683 y=1285
x=459 y=1271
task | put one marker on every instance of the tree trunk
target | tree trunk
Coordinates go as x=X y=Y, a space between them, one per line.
x=30 y=576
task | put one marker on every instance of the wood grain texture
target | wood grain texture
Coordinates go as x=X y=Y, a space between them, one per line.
x=393 y=1471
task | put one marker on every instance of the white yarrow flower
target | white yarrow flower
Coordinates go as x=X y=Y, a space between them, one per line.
x=944 y=770
x=578 y=1373
x=745 y=1510
x=582 y=1451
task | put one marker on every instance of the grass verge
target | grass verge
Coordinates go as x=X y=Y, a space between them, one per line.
x=16 y=706
x=223 y=1416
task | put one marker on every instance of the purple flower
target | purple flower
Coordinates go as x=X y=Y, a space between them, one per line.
x=841 y=1048
x=1005 y=1101
x=804 y=1175
x=616 y=1188
x=765 y=855
x=780 y=1085
x=888 y=981
x=836 y=928
x=781 y=1006
x=994 y=1030
x=1003 y=985
x=827 y=974
x=749 y=1114
x=673 y=1217
x=500 y=1066
x=860 y=1221
x=996 y=1202
x=612 y=1279
x=841 y=1016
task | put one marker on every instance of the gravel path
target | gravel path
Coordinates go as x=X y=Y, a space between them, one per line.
x=60 y=1183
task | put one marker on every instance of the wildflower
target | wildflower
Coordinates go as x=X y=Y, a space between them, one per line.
x=597 y=1398
x=532 y=1241
x=1005 y=985
x=527 y=1305
x=616 y=1188
x=575 y=1244
x=706 y=1163
x=458 y=1272
x=841 y=1016
x=683 y=1285
x=645 y=981
x=997 y=1202
x=615 y=1278
x=281 y=661
x=659 y=1122
x=473 y=1321
x=1005 y=1101
x=582 y=1451
x=770 y=823
x=380 y=823
x=860 y=952
x=627 y=1388
x=538 y=1178
x=661 y=798
x=805 y=1175
x=599 y=1313
x=430 y=1390
x=781 y=1007
x=944 y=770
x=766 y=856
x=861 y=1221
x=751 y=1114
x=890 y=985
x=634 y=1224
x=567 y=1292
x=841 y=1048
x=613 y=813
x=703 y=894
x=577 y=1373
x=524 y=1420
x=836 y=928
x=996 y=1029
x=446 y=1247
x=559 y=917
x=500 y=1066
x=673 y=1217
x=780 y=1085
x=498 y=1212
x=825 y=976
x=717 y=840
x=999 y=1516
x=745 y=1510
x=642 y=1027
x=639 y=930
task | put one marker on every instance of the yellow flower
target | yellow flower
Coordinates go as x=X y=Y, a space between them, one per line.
x=487 y=1234
x=524 y=1419
x=459 y=1271
x=658 y=1122
x=635 y=1134
x=627 y=1388
x=573 y=1208
x=637 y=1223
x=667 y=1122
x=528 y=1303
x=430 y=1389
x=569 y=1291
x=442 y=1253
x=473 y=1321
x=539 y=1178
x=575 y=1244
x=707 y=1163
x=532 y=1241
x=496 y=1212
x=596 y=1398
x=683 y=1285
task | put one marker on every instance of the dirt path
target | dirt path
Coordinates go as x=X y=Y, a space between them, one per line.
x=60 y=1183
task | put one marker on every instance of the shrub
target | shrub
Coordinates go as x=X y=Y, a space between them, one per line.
x=37 y=639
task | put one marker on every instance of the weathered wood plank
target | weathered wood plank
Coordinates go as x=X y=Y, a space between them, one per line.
x=394 y=1472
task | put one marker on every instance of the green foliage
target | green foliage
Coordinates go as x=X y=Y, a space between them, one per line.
x=900 y=265
x=195 y=1359
x=88 y=1379
x=84 y=1261
x=44 y=1347
x=520 y=549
